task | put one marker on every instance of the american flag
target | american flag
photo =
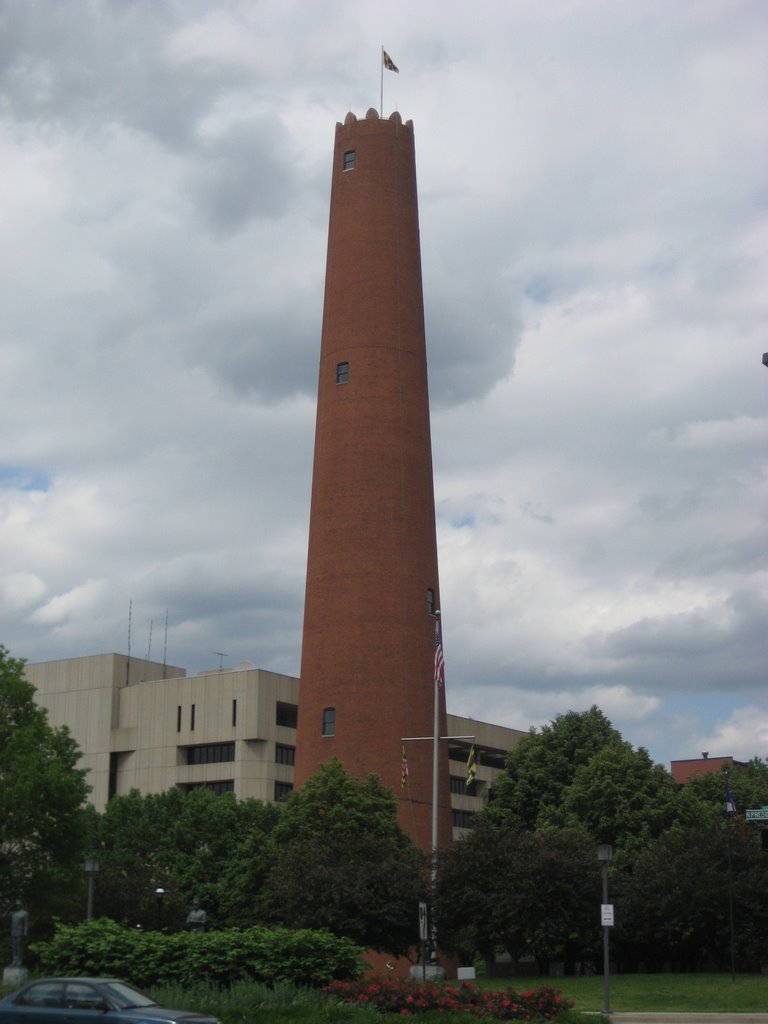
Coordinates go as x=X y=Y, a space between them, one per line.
x=439 y=662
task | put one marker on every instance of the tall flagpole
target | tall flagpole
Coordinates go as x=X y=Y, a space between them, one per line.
x=381 y=107
x=436 y=754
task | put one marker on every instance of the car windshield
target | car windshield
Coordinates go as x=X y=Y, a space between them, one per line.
x=123 y=995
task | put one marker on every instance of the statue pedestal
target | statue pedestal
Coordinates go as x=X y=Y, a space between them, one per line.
x=428 y=972
x=13 y=976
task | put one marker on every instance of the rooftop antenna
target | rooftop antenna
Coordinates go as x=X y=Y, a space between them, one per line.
x=128 y=661
x=221 y=655
x=149 y=645
x=165 y=645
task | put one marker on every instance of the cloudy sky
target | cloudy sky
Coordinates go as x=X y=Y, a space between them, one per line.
x=594 y=219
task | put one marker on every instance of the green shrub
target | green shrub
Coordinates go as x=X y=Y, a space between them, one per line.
x=267 y=955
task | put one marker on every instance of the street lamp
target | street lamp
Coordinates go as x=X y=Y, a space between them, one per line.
x=159 y=894
x=91 y=867
x=604 y=855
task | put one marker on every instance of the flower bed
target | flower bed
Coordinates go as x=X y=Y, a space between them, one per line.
x=408 y=997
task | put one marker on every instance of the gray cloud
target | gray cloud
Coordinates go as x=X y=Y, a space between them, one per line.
x=593 y=219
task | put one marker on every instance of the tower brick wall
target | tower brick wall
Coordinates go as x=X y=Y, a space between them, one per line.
x=368 y=644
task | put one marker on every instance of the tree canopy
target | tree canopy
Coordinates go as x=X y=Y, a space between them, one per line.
x=42 y=792
x=194 y=845
x=543 y=764
x=345 y=864
x=579 y=774
x=674 y=905
x=529 y=893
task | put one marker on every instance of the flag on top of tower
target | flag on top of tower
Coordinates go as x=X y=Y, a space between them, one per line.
x=439 y=662
x=388 y=63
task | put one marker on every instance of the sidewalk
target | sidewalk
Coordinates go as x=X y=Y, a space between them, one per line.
x=688 y=1018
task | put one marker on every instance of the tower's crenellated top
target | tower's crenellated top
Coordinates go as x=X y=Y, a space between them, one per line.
x=372 y=114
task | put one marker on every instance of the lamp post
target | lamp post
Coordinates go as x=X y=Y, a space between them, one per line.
x=91 y=867
x=159 y=894
x=604 y=855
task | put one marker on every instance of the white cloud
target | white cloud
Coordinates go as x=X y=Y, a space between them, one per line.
x=743 y=735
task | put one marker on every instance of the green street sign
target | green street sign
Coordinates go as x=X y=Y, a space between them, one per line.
x=758 y=813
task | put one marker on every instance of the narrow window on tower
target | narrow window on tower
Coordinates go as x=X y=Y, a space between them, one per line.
x=349 y=160
x=234 y=713
x=430 y=601
x=342 y=373
x=192 y=719
x=178 y=718
x=329 y=721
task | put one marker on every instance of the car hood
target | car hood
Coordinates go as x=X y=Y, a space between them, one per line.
x=165 y=1013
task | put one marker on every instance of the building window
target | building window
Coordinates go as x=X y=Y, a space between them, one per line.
x=342 y=373
x=211 y=753
x=430 y=601
x=349 y=160
x=285 y=754
x=459 y=786
x=329 y=721
x=178 y=718
x=192 y=719
x=463 y=819
x=114 y=764
x=282 y=789
x=234 y=713
x=286 y=714
x=219 y=788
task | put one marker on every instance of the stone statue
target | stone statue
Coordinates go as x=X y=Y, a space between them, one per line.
x=19 y=929
x=196 y=918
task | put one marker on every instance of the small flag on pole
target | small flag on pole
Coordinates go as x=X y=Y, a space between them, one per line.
x=388 y=63
x=404 y=770
x=471 y=765
x=439 y=662
x=730 y=802
x=730 y=808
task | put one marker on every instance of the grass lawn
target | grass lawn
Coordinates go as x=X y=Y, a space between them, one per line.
x=283 y=1004
x=715 y=993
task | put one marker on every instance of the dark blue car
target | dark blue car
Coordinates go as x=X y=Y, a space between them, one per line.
x=88 y=1001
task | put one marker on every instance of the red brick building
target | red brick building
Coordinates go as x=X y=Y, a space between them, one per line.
x=683 y=770
x=367 y=669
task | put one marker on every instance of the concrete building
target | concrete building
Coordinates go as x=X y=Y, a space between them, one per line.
x=142 y=725
x=372 y=590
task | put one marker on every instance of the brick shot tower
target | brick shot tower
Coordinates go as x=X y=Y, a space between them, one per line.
x=368 y=655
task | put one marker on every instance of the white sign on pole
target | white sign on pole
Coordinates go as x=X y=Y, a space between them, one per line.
x=606 y=915
x=423 y=921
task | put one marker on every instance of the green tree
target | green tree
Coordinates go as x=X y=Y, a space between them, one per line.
x=673 y=908
x=528 y=893
x=345 y=864
x=42 y=792
x=578 y=773
x=703 y=796
x=543 y=764
x=190 y=845
x=619 y=797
